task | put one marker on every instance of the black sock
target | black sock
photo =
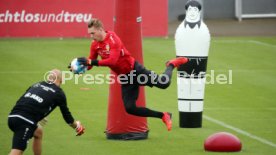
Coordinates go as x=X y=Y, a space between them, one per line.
x=144 y=112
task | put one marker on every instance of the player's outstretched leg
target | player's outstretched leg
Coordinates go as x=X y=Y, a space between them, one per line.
x=177 y=61
x=163 y=81
x=167 y=119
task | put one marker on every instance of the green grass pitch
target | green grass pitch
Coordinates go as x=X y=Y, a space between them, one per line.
x=248 y=104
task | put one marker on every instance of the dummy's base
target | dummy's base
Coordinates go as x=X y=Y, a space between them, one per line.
x=190 y=119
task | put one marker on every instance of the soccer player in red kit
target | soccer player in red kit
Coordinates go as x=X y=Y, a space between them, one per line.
x=110 y=48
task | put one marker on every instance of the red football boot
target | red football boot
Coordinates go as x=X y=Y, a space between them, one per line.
x=177 y=61
x=167 y=119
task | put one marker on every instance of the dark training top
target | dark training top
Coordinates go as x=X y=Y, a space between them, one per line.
x=40 y=100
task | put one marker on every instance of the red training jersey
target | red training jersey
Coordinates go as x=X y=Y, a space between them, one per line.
x=113 y=54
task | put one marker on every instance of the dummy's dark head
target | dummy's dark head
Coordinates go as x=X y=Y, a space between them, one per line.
x=193 y=3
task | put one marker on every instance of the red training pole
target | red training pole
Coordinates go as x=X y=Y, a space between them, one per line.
x=127 y=25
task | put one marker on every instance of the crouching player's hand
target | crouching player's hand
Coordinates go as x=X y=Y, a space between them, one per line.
x=79 y=128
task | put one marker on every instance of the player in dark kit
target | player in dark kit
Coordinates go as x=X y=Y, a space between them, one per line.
x=36 y=103
x=114 y=55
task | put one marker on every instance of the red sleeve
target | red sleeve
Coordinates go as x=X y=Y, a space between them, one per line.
x=93 y=55
x=114 y=53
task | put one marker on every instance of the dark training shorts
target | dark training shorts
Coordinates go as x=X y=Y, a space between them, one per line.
x=23 y=131
x=130 y=85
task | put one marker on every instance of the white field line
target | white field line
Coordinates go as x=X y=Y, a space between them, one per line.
x=262 y=140
x=261 y=43
x=240 y=109
x=245 y=41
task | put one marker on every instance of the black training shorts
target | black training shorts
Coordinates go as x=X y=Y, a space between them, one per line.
x=140 y=76
x=23 y=131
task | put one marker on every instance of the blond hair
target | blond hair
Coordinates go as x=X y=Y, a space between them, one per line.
x=94 y=22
